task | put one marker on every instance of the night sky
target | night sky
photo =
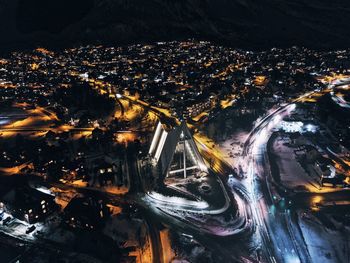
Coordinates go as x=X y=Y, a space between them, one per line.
x=237 y=23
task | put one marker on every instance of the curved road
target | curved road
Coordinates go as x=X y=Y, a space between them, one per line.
x=280 y=242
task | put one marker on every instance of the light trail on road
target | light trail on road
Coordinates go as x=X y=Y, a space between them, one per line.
x=278 y=240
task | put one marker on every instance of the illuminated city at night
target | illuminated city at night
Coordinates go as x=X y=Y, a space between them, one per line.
x=175 y=131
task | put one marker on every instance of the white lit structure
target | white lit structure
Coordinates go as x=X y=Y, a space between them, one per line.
x=175 y=152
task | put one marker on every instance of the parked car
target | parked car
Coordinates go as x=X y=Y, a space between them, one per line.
x=7 y=220
x=30 y=229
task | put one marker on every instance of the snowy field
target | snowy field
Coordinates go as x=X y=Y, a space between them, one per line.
x=325 y=245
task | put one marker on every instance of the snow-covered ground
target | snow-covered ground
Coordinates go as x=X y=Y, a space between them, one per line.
x=232 y=147
x=291 y=173
x=324 y=245
x=18 y=228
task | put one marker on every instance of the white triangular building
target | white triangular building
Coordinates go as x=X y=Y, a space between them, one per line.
x=175 y=152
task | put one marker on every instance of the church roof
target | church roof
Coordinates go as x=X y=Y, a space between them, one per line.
x=164 y=144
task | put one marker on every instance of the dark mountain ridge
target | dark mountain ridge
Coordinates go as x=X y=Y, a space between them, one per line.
x=252 y=24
